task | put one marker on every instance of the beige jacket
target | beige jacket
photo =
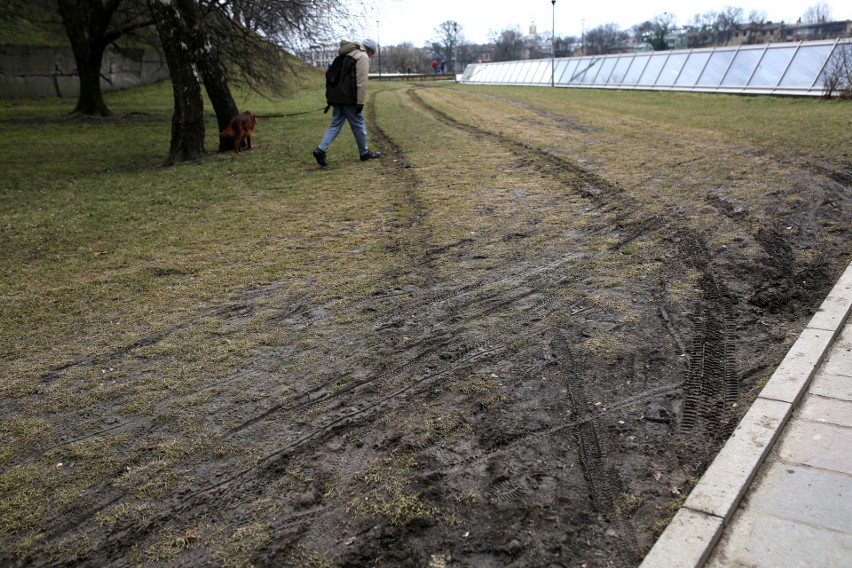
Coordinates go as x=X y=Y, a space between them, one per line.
x=362 y=66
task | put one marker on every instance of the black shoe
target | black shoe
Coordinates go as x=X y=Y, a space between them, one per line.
x=320 y=157
x=370 y=156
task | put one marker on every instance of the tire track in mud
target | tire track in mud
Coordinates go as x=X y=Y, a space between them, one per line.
x=605 y=484
x=596 y=188
x=712 y=387
x=463 y=303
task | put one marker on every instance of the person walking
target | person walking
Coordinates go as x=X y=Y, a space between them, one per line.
x=348 y=98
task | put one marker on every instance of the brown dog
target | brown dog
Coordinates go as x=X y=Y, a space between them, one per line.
x=240 y=128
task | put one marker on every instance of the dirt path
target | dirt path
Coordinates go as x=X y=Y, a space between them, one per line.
x=566 y=334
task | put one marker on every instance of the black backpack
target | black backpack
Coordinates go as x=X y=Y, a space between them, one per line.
x=340 y=84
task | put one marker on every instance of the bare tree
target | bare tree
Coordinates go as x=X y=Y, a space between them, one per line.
x=757 y=17
x=604 y=39
x=837 y=76
x=701 y=31
x=726 y=22
x=448 y=36
x=508 y=45
x=817 y=13
x=755 y=27
x=91 y=26
x=405 y=58
x=655 y=31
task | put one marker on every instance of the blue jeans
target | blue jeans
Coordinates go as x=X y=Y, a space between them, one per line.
x=341 y=114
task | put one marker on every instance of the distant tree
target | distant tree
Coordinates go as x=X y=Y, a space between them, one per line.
x=756 y=22
x=608 y=38
x=508 y=45
x=464 y=56
x=655 y=31
x=726 y=22
x=701 y=30
x=405 y=57
x=757 y=17
x=564 y=45
x=819 y=12
x=448 y=36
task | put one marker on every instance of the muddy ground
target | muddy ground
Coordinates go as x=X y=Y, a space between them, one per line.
x=540 y=379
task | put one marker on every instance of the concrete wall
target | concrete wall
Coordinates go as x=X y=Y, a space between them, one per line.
x=52 y=72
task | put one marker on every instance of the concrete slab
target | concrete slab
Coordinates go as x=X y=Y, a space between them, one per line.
x=831 y=386
x=686 y=542
x=839 y=361
x=826 y=410
x=818 y=445
x=802 y=494
x=792 y=376
x=763 y=541
x=837 y=305
x=725 y=481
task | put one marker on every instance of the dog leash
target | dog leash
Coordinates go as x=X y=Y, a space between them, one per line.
x=289 y=115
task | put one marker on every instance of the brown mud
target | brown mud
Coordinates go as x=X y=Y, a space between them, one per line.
x=541 y=392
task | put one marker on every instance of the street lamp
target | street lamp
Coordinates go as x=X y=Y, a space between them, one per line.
x=553 y=47
x=379 y=48
x=455 y=53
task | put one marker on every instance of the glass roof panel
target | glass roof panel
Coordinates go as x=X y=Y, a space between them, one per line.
x=542 y=75
x=806 y=66
x=716 y=68
x=636 y=68
x=672 y=68
x=538 y=75
x=652 y=70
x=771 y=68
x=561 y=64
x=568 y=72
x=587 y=70
x=620 y=69
x=515 y=69
x=692 y=69
x=742 y=67
x=607 y=66
x=838 y=68
x=500 y=72
x=528 y=71
x=489 y=74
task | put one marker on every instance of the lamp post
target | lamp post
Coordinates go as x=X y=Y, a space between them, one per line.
x=553 y=47
x=583 y=37
x=379 y=48
x=455 y=53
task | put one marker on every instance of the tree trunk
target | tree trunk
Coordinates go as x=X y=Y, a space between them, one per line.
x=210 y=67
x=187 y=142
x=84 y=22
x=220 y=97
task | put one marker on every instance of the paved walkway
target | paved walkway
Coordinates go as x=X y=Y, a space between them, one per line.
x=779 y=493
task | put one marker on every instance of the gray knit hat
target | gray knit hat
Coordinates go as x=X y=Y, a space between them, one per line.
x=370 y=45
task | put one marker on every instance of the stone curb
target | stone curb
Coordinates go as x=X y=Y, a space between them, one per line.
x=696 y=528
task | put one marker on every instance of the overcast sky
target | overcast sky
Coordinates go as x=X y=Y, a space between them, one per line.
x=415 y=21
